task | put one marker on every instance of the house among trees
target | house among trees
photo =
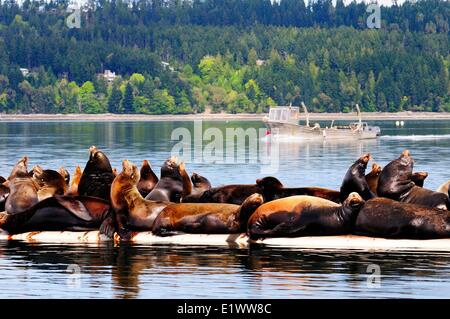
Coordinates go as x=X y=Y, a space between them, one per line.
x=25 y=72
x=167 y=65
x=260 y=62
x=108 y=75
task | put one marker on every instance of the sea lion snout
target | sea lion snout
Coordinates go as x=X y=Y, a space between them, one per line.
x=355 y=200
x=405 y=153
x=366 y=158
x=376 y=168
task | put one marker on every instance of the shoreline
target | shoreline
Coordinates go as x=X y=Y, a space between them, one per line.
x=216 y=117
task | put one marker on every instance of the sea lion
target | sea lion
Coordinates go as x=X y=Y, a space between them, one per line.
x=4 y=193
x=396 y=183
x=132 y=211
x=304 y=216
x=97 y=176
x=444 y=188
x=273 y=189
x=23 y=189
x=65 y=174
x=61 y=213
x=2 y=179
x=206 y=218
x=50 y=182
x=372 y=177
x=383 y=217
x=230 y=194
x=73 y=189
x=171 y=184
x=418 y=178
x=148 y=179
x=355 y=180
x=200 y=183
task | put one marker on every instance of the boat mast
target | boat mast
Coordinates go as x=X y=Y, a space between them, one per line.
x=359 y=115
x=306 y=113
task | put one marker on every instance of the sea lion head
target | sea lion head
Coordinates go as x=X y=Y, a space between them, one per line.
x=396 y=177
x=200 y=182
x=376 y=169
x=130 y=172
x=49 y=179
x=98 y=162
x=269 y=183
x=355 y=179
x=353 y=204
x=248 y=207
x=170 y=168
x=20 y=169
x=65 y=174
x=419 y=178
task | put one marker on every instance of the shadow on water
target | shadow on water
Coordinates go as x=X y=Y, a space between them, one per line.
x=134 y=271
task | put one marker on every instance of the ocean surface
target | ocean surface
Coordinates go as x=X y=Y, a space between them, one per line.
x=124 y=271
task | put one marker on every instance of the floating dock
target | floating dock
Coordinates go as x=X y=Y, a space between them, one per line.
x=348 y=242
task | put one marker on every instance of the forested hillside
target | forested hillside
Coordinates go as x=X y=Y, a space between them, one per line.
x=223 y=55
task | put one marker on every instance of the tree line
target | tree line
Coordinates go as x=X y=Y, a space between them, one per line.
x=227 y=55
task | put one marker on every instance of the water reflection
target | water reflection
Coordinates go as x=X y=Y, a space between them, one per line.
x=128 y=271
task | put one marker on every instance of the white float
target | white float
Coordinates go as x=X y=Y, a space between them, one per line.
x=348 y=242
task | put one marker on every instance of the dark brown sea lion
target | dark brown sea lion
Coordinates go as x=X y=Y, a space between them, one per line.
x=355 y=180
x=61 y=213
x=73 y=189
x=23 y=189
x=50 y=182
x=231 y=194
x=273 y=189
x=171 y=184
x=2 y=179
x=200 y=183
x=418 y=178
x=132 y=211
x=206 y=218
x=304 y=216
x=65 y=174
x=383 y=217
x=97 y=176
x=372 y=177
x=148 y=179
x=396 y=183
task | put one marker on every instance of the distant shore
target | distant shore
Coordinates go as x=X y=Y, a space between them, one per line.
x=215 y=117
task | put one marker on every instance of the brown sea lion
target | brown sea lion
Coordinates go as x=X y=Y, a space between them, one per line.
x=50 y=182
x=4 y=193
x=273 y=189
x=65 y=174
x=372 y=177
x=132 y=211
x=206 y=218
x=61 y=213
x=231 y=194
x=395 y=183
x=115 y=172
x=23 y=189
x=148 y=179
x=97 y=176
x=418 y=178
x=304 y=216
x=171 y=184
x=444 y=188
x=383 y=217
x=73 y=189
x=355 y=180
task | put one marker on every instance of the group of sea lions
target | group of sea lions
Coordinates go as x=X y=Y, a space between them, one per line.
x=388 y=202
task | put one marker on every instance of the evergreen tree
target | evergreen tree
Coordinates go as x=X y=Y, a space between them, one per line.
x=114 y=100
x=127 y=102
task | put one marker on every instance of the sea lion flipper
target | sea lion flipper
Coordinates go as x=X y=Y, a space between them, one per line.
x=107 y=227
x=75 y=207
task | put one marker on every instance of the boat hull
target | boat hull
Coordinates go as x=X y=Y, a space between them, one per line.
x=317 y=133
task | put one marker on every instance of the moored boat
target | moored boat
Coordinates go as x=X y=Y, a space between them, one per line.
x=284 y=121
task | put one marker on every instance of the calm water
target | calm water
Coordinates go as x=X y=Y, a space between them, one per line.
x=32 y=271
